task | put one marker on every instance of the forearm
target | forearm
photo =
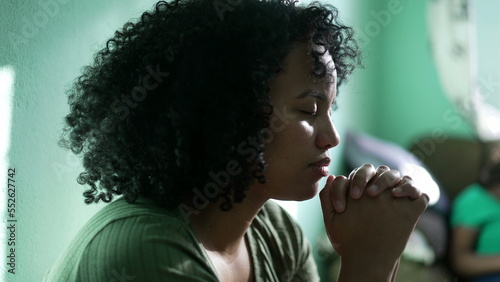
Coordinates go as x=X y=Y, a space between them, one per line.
x=471 y=264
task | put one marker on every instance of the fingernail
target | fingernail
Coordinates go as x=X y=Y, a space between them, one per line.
x=339 y=206
x=372 y=189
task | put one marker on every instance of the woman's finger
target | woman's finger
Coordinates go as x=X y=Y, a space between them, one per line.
x=338 y=195
x=405 y=188
x=353 y=172
x=387 y=179
x=382 y=168
x=326 y=201
x=359 y=178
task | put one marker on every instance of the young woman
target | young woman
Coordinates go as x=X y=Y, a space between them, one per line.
x=201 y=112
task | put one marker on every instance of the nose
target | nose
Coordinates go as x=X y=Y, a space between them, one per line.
x=328 y=136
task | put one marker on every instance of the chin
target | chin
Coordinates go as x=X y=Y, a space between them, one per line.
x=311 y=193
x=302 y=194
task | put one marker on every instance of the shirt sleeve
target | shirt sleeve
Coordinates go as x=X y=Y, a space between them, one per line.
x=306 y=270
x=298 y=261
x=465 y=210
x=144 y=248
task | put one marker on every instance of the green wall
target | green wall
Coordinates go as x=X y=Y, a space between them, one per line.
x=397 y=97
x=410 y=101
x=45 y=43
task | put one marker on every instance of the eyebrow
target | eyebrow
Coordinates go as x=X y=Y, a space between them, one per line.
x=316 y=94
x=313 y=93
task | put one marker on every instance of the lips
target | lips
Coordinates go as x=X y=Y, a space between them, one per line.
x=322 y=162
x=321 y=166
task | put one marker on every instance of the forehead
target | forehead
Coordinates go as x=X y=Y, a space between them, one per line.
x=300 y=59
x=298 y=72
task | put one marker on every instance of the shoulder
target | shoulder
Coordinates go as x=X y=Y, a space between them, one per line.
x=274 y=218
x=140 y=240
x=282 y=244
x=278 y=230
x=469 y=206
x=142 y=219
x=473 y=195
x=474 y=190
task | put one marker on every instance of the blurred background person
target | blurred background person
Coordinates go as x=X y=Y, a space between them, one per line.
x=475 y=222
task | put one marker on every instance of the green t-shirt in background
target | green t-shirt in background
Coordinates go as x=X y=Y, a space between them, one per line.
x=478 y=209
x=144 y=242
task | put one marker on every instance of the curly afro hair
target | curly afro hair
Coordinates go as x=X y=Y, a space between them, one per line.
x=165 y=108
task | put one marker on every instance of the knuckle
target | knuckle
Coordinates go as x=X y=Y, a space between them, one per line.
x=367 y=165
x=340 y=178
x=408 y=186
x=395 y=172
x=407 y=177
x=383 y=167
x=412 y=187
x=387 y=179
x=366 y=169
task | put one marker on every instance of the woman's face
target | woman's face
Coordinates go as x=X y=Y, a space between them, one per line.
x=297 y=152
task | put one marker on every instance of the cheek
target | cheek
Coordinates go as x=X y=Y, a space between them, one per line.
x=296 y=134
x=301 y=132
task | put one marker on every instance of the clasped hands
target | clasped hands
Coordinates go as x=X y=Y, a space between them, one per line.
x=369 y=217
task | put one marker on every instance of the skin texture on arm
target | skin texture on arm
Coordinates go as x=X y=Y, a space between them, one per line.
x=464 y=260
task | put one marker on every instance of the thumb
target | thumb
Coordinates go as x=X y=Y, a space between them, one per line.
x=325 y=197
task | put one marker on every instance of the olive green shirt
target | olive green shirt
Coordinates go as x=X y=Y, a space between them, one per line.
x=144 y=242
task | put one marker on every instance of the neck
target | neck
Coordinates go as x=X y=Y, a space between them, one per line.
x=223 y=231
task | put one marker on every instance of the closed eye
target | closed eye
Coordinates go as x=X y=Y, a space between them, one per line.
x=310 y=113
